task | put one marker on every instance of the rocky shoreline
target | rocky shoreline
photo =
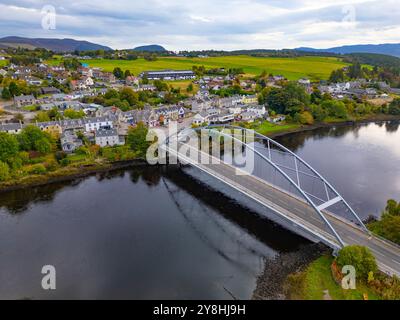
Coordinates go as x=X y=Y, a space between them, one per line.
x=270 y=284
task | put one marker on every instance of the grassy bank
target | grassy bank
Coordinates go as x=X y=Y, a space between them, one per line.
x=317 y=283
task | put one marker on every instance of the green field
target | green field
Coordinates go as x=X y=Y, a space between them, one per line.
x=315 y=68
x=3 y=63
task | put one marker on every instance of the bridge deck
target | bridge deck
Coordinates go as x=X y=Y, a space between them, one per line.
x=387 y=254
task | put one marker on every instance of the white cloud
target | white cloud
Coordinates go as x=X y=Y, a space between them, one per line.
x=210 y=24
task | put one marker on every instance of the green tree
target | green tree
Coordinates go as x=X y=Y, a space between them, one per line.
x=318 y=112
x=118 y=73
x=136 y=139
x=9 y=146
x=389 y=224
x=393 y=208
x=335 y=108
x=337 y=76
x=5 y=94
x=72 y=114
x=4 y=171
x=360 y=258
x=127 y=74
x=394 y=107
x=129 y=95
x=304 y=117
x=14 y=89
x=32 y=138
x=42 y=116
x=111 y=94
x=355 y=71
x=160 y=85
x=145 y=80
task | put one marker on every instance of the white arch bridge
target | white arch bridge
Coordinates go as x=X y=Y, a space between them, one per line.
x=275 y=177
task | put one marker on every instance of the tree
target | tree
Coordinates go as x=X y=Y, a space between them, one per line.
x=355 y=71
x=129 y=95
x=393 y=208
x=318 y=112
x=304 y=117
x=290 y=99
x=145 y=80
x=190 y=88
x=118 y=73
x=9 y=146
x=111 y=93
x=394 y=107
x=72 y=114
x=389 y=224
x=337 y=76
x=335 y=108
x=5 y=94
x=127 y=74
x=42 y=116
x=14 y=89
x=160 y=85
x=136 y=139
x=32 y=138
x=4 y=171
x=360 y=258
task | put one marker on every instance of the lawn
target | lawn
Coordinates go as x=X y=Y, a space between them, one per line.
x=3 y=63
x=183 y=85
x=315 y=68
x=266 y=128
x=317 y=281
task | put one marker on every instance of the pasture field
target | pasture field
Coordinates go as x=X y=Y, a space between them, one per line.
x=314 y=68
x=3 y=63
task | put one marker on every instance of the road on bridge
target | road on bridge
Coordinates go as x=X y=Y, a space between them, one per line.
x=300 y=212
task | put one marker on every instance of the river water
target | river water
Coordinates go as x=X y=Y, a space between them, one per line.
x=161 y=233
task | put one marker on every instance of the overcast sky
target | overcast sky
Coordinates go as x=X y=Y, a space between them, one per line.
x=209 y=24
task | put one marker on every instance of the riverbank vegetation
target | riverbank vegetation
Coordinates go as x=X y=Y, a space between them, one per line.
x=26 y=156
x=299 y=107
x=388 y=226
x=322 y=279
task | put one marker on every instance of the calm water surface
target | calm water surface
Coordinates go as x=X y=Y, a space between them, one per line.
x=160 y=233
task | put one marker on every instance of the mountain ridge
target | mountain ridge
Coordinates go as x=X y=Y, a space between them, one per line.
x=53 y=44
x=392 y=49
x=150 y=48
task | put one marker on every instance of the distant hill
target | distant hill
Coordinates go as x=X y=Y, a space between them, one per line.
x=150 y=48
x=57 y=45
x=392 y=49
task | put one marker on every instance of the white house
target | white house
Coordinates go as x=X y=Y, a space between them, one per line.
x=200 y=118
x=259 y=110
x=108 y=137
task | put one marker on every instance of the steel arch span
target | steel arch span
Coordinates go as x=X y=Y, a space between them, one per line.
x=301 y=181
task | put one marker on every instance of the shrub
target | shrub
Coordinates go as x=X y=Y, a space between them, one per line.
x=60 y=155
x=8 y=146
x=360 y=258
x=37 y=169
x=304 y=117
x=65 y=162
x=4 y=171
x=51 y=165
